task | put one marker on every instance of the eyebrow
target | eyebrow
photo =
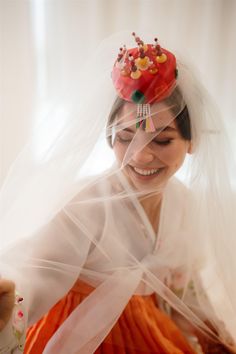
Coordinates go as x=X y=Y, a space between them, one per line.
x=164 y=128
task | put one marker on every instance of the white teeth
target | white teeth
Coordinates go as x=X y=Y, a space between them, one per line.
x=146 y=172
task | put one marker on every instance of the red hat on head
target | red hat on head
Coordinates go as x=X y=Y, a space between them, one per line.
x=144 y=74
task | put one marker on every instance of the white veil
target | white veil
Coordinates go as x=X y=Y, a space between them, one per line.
x=59 y=223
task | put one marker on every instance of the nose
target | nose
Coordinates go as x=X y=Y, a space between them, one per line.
x=143 y=156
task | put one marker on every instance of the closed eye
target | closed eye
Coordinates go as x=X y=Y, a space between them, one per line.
x=128 y=139
x=124 y=139
x=163 y=142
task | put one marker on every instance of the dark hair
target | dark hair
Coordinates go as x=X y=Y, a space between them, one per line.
x=182 y=120
x=183 y=124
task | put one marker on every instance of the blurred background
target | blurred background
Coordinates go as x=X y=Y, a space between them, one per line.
x=44 y=43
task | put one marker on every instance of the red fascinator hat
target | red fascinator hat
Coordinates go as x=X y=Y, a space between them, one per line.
x=144 y=74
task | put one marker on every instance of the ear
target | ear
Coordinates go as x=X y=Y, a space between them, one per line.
x=190 y=148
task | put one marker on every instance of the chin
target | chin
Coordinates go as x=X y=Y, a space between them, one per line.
x=149 y=187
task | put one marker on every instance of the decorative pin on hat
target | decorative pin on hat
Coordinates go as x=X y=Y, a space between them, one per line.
x=144 y=75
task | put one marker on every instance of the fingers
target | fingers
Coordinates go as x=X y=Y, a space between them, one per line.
x=7 y=301
x=6 y=286
x=2 y=325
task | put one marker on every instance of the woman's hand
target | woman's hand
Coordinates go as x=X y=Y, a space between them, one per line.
x=7 y=301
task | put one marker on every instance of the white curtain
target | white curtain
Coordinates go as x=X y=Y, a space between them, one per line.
x=44 y=42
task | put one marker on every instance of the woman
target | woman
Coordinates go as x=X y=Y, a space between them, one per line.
x=128 y=244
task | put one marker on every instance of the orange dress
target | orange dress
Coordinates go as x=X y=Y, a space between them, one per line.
x=141 y=328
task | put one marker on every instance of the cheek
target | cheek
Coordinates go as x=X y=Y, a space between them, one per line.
x=173 y=155
x=119 y=150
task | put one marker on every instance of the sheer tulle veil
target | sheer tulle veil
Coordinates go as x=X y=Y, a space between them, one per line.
x=56 y=210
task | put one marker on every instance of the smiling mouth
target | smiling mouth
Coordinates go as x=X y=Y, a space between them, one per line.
x=146 y=172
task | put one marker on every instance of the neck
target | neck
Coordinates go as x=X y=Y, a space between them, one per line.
x=152 y=206
x=151 y=201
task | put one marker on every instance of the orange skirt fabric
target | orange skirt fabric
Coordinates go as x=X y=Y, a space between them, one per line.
x=141 y=328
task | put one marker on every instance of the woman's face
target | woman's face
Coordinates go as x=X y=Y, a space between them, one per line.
x=158 y=155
